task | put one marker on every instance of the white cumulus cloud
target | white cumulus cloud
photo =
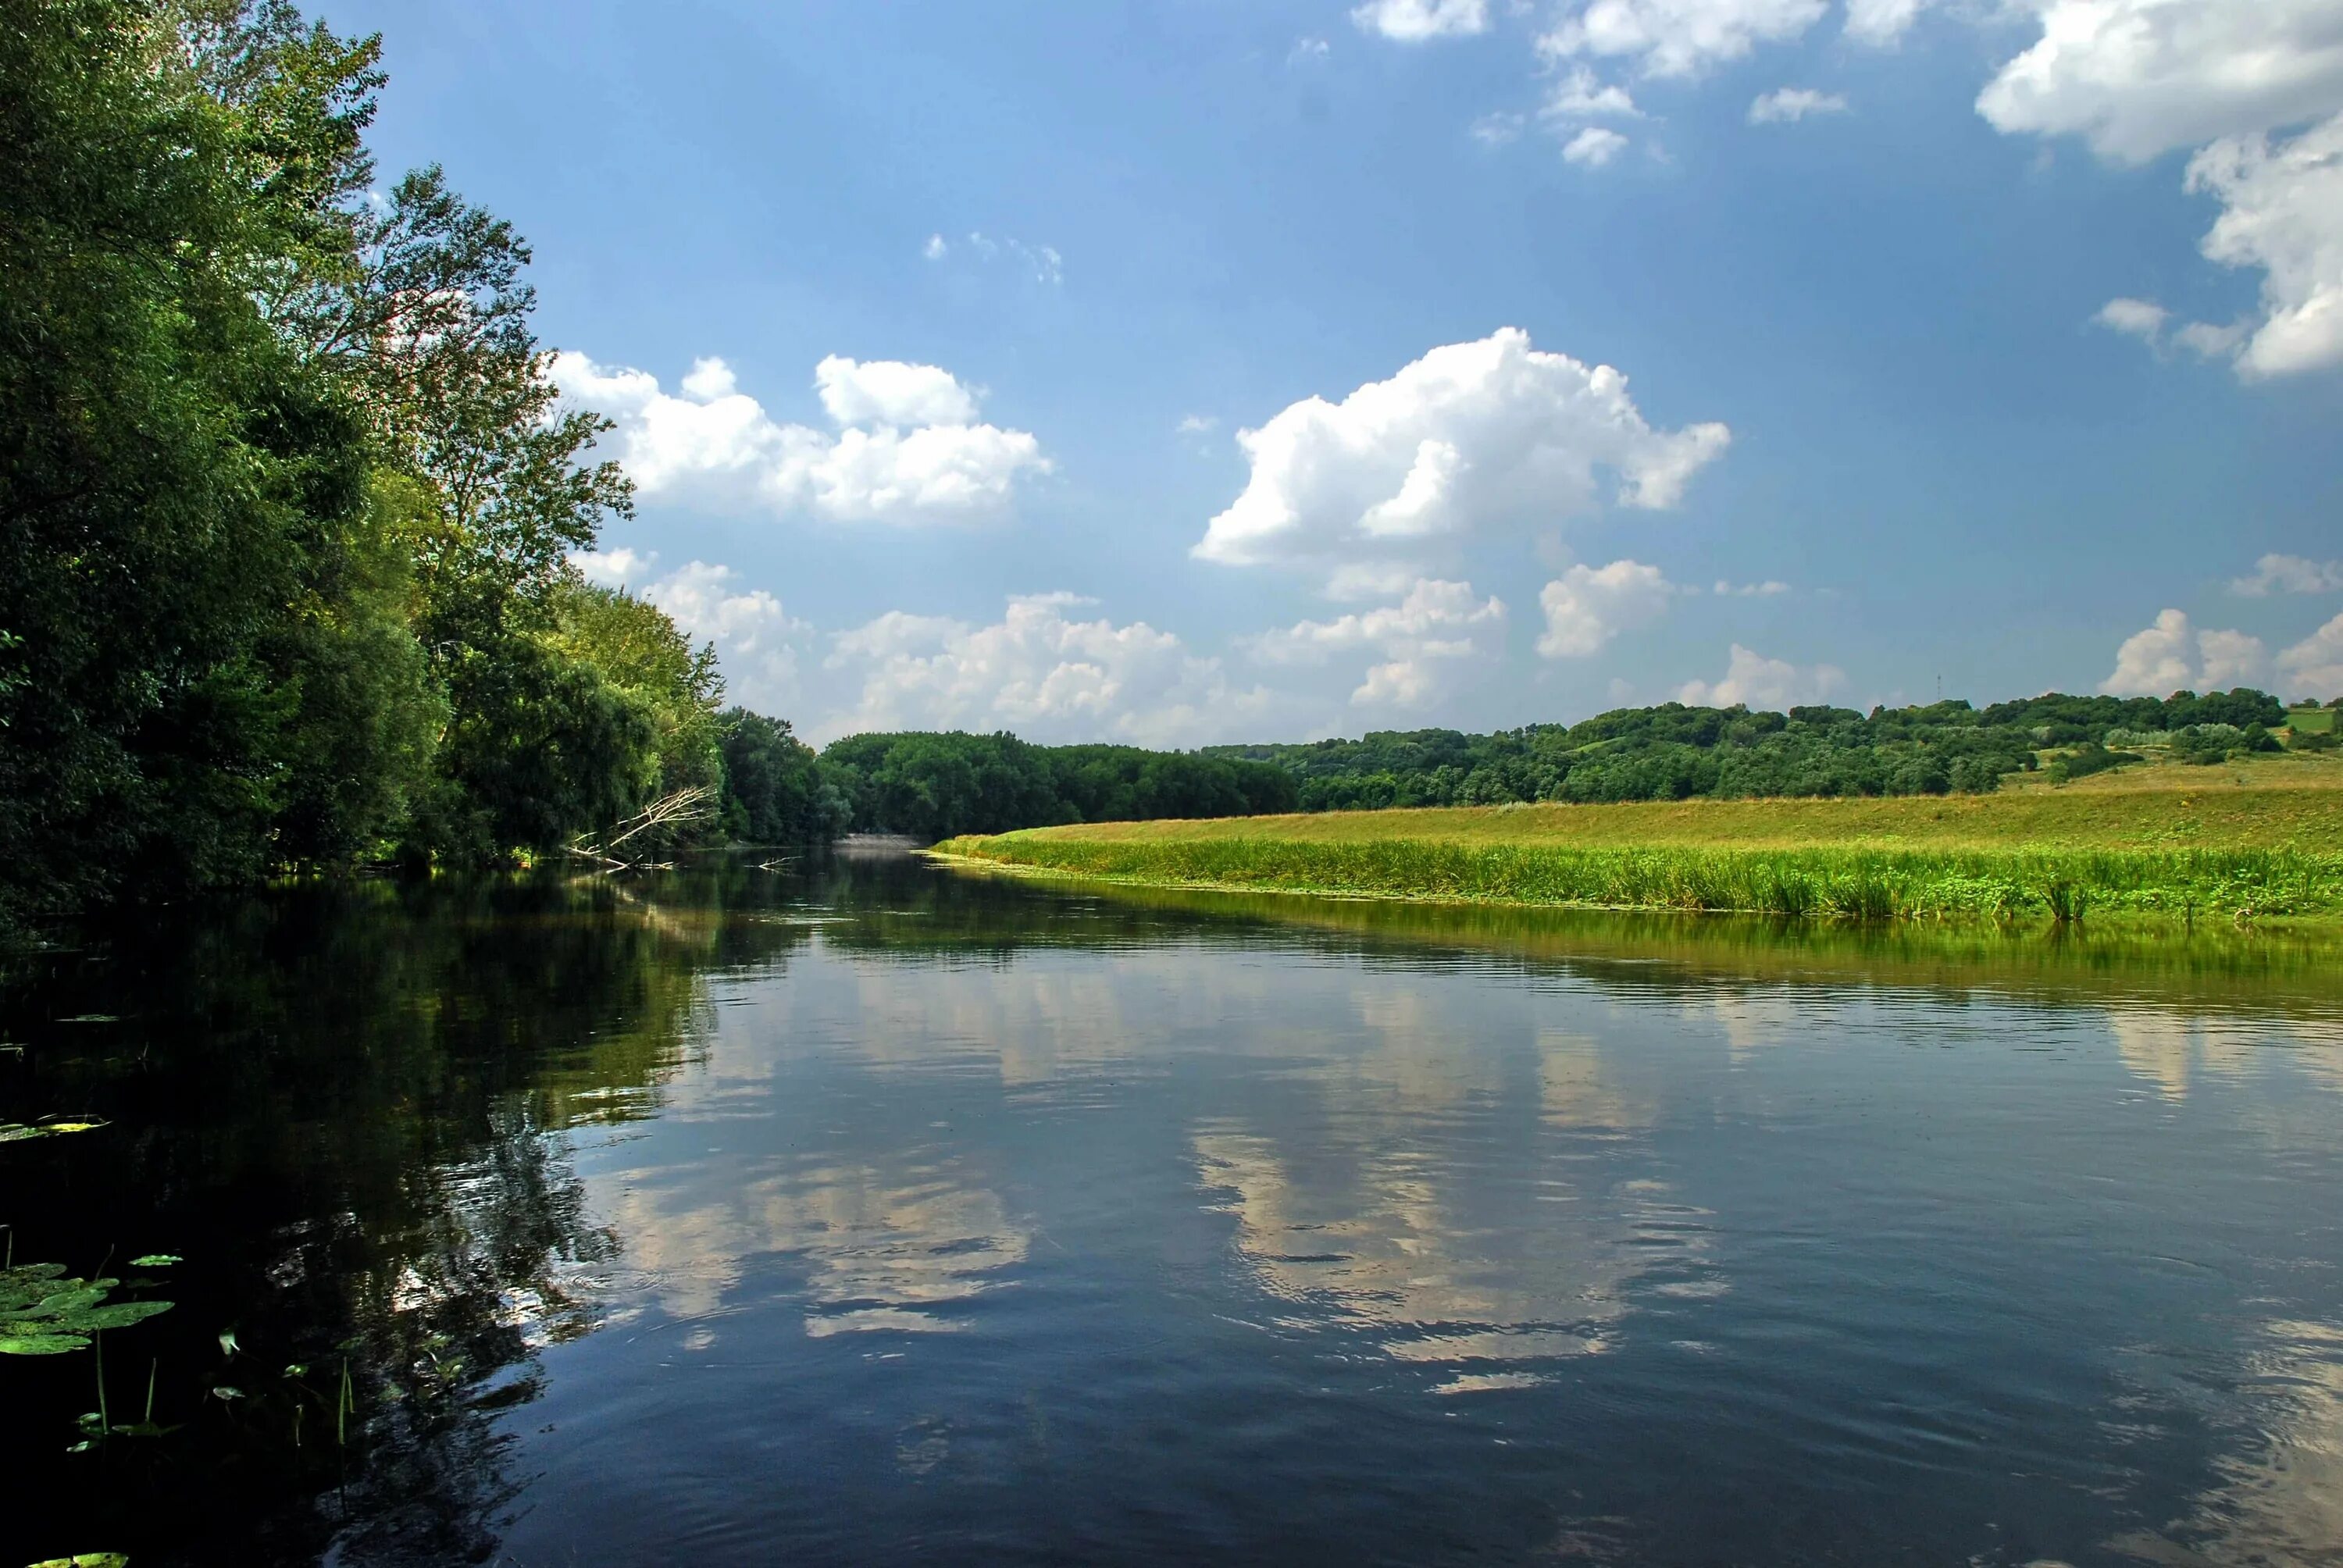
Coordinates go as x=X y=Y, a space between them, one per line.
x=1414 y=21
x=2282 y=211
x=1594 y=147
x=1771 y=685
x=2140 y=78
x=2238 y=80
x=1882 y=22
x=2172 y=656
x=2277 y=573
x=2141 y=318
x=1587 y=606
x=1041 y=670
x=908 y=448
x=2314 y=666
x=1472 y=438
x=886 y=392
x=1415 y=643
x=1789 y=105
x=1677 y=37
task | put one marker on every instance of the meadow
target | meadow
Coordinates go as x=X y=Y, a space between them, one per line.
x=2242 y=843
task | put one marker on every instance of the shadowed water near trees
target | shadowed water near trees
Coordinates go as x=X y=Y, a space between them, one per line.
x=359 y=1113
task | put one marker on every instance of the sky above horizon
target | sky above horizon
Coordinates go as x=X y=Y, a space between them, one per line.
x=1228 y=370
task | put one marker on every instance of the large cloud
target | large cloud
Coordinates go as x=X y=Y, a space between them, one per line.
x=1766 y=684
x=2314 y=666
x=2172 y=656
x=1586 y=607
x=2282 y=211
x=1471 y=438
x=1040 y=670
x=2137 y=78
x=908 y=448
x=1414 y=644
x=2140 y=78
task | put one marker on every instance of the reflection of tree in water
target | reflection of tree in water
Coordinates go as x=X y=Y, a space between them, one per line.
x=349 y=1112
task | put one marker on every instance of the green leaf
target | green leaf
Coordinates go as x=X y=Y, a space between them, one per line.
x=18 y=1131
x=157 y=1261
x=86 y=1559
x=120 y=1315
x=41 y=1344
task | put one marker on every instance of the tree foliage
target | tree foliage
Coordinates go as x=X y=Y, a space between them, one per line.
x=1674 y=752
x=287 y=497
x=934 y=786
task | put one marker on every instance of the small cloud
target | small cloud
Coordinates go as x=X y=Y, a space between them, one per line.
x=1199 y=425
x=1765 y=590
x=1580 y=96
x=2147 y=321
x=2289 y=574
x=613 y=568
x=2208 y=341
x=1496 y=130
x=2173 y=656
x=1042 y=262
x=1789 y=105
x=1594 y=147
x=1306 y=50
x=2141 y=318
x=1763 y=683
x=1417 y=21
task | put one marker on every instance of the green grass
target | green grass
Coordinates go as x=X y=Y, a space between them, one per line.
x=2066 y=855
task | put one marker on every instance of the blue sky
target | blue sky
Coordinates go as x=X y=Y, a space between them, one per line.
x=1995 y=342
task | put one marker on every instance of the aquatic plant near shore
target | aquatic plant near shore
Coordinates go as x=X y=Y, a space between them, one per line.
x=1848 y=884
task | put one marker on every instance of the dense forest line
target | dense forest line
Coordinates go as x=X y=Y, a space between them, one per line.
x=1675 y=752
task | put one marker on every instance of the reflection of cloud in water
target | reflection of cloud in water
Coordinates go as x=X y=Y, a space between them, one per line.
x=1576 y=1092
x=883 y=1250
x=1382 y=1245
x=2282 y=1501
x=2175 y=1051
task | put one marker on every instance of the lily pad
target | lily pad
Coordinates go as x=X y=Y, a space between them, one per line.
x=157 y=1261
x=87 y=1559
x=44 y=1314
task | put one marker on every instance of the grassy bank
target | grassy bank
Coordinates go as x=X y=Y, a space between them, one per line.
x=2220 y=849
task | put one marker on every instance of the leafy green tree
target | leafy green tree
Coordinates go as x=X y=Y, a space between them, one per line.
x=776 y=790
x=172 y=475
x=633 y=646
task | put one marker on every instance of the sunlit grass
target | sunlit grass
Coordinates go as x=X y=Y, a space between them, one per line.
x=2233 y=853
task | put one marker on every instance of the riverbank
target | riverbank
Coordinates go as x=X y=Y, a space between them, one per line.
x=2220 y=847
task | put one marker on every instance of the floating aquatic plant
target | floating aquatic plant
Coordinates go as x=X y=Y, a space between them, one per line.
x=43 y=1313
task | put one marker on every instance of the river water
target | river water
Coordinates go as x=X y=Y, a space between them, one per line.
x=878 y=1213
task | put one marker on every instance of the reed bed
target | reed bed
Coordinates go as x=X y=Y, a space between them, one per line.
x=1862 y=884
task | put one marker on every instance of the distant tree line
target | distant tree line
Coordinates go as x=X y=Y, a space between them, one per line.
x=1672 y=752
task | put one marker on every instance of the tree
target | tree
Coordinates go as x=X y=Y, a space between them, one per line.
x=171 y=475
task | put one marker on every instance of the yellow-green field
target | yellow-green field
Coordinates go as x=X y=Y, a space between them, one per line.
x=2245 y=841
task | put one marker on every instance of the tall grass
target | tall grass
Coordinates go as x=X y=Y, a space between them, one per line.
x=1850 y=884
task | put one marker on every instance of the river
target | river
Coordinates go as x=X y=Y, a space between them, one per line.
x=873 y=1212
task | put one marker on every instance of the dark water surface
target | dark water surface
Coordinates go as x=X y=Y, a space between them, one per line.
x=879 y=1214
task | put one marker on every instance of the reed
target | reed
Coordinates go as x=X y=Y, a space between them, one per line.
x=1845 y=883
